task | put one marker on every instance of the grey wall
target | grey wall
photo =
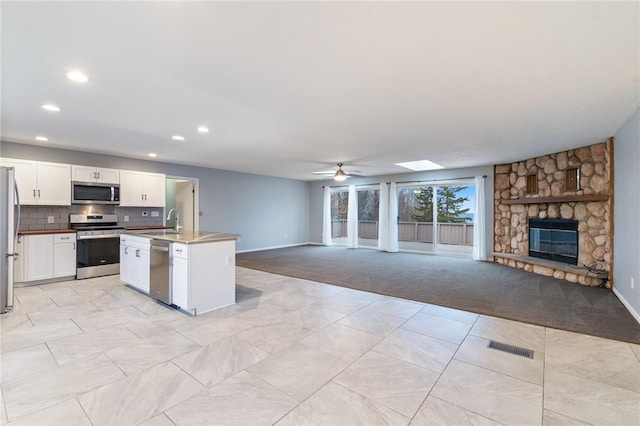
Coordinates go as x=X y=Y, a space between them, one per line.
x=267 y=211
x=626 y=236
x=316 y=194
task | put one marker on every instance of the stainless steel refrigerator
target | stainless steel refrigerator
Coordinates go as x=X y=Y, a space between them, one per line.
x=9 y=220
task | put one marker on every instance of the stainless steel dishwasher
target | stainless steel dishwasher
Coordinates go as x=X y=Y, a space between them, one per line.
x=160 y=273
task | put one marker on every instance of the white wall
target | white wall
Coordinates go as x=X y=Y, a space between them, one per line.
x=263 y=209
x=626 y=237
x=316 y=197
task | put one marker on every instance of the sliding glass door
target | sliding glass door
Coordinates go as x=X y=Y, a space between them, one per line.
x=436 y=218
x=368 y=212
x=339 y=209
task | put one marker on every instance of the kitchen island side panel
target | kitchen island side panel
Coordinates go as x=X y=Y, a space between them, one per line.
x=212 y=275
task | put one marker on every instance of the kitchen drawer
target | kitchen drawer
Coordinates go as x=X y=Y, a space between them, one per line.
x=137 y=242
x=179 y=250
x=63 y=238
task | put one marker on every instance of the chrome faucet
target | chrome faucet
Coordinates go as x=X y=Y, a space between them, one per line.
x=178 y=227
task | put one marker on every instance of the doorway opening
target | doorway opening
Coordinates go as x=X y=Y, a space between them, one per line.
x=182 y=194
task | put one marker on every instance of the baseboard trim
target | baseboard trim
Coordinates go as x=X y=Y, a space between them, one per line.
x=275 y=247
x=627 y=305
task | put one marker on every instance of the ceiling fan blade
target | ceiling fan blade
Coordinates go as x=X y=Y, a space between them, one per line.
x=353 y=175
x=328 y=172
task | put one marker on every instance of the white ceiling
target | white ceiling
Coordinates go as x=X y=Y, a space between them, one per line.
x=291 y=88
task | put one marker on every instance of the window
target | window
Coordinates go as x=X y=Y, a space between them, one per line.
x=572 y=179
x=339 y=208
x=368 y=212
x=532 y=184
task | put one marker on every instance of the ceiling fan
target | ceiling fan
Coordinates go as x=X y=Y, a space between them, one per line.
x=339 y=175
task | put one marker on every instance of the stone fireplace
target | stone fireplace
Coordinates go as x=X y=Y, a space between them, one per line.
x=568 y=191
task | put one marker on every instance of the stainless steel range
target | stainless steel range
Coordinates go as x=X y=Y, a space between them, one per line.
x=98 y=237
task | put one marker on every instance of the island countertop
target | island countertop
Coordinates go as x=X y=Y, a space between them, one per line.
x=186 y=237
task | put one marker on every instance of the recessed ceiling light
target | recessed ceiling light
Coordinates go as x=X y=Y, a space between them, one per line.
x=177 y=138
x=152 y=154
x=50 y=107
x=420 y=166
x=41 y=138
x=203 y=129
x=77 y=76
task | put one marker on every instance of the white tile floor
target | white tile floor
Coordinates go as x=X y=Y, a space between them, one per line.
x=297 y=352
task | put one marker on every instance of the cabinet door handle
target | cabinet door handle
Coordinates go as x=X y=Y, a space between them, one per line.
x=74 y=246
x=126 y=250
x=34 y=193
x=98 y=175
x=64 y=238
x=38 y=193
x=141 y=197
x=137 y=253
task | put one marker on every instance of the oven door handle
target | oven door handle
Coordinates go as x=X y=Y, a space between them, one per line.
x=97 y=237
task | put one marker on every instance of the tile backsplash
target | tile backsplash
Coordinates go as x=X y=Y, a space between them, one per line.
x=37 y=217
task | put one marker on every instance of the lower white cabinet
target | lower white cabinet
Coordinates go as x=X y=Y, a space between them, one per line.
x=64 y=255
x=203 y=275
x=135 y=261
x=45 y=256
x=38 y=261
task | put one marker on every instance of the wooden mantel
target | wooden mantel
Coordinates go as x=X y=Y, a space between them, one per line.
x=559 y=199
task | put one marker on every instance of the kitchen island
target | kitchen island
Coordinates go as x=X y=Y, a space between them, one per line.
x=193 y=271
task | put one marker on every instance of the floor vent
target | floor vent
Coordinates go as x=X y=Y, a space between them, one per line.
x=516 y=350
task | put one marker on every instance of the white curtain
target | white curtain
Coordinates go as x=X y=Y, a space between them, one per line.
x=383 y=218
x=352 y=218
x=393 y=218
x=479 y=228
x=326 y=217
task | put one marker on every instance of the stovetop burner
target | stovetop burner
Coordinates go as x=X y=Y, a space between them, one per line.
x=94 y=222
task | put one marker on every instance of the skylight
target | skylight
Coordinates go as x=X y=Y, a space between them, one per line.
x=420 y=166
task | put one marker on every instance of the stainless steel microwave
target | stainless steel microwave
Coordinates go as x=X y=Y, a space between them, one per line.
x=94 y=193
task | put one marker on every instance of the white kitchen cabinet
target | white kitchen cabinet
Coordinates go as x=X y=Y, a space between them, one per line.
x=203 y=275
x=39 y=258
x=64 y=255
x=45 y=256
x=42 y=183
x=95 y=174
x=141 y=189
x=125 y=264
x=135 y=257
x=180 y=275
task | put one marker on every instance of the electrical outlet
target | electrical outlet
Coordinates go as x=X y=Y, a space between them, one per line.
x=126 y=218
x=155 y=214
x=145 y=214
x=50 y=219
x=632 y=283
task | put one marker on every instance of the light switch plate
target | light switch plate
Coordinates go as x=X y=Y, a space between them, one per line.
x=126 y=218
x=155 y=214
x=145 y=214
x=50 y=219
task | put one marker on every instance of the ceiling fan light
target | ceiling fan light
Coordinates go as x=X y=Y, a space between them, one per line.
x=340 y=176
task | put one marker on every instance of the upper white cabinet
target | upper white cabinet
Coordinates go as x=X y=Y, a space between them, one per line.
x=42 y=183
x=95 y=174
x=141 y=189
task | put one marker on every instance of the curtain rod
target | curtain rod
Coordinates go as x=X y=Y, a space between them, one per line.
x=438 y=180
x=407 y=181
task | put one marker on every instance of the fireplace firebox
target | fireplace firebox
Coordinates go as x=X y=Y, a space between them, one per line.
x=554 y=239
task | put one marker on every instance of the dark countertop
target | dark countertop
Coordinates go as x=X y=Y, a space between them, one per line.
x=47 y=231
